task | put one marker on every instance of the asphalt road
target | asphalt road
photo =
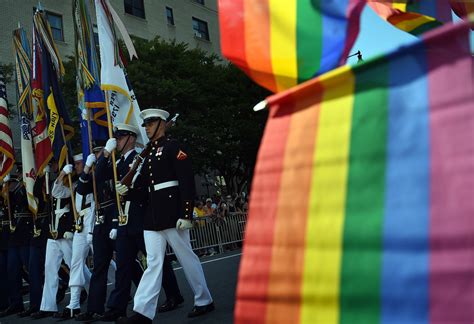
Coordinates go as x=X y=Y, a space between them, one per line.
x=221 y=275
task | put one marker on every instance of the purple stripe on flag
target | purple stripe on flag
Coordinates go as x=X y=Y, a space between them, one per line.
x=452 y=179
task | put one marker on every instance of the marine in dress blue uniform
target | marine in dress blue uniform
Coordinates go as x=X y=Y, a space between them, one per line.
x=18 y=246
x=4 y=233
x=130 y=234
x=106 y=221
x=38 y=248
x=169 y=184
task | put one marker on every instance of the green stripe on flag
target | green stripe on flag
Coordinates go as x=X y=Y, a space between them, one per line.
x=308 y=49
x=362 y=242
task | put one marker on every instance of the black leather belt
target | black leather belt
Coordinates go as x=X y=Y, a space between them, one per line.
x=42 y=215
x=107 y=204
x=22 y=215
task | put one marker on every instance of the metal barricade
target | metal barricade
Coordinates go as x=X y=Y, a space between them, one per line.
x=214 y=234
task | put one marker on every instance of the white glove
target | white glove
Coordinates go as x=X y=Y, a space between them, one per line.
x=68 y=235
x=89 y=238
x=47 y=169
x=184 y=224
x=67 y=169
x=121 y=188
x=110 y=145
x=113 y=234
x=6 y=178
x=90 y=160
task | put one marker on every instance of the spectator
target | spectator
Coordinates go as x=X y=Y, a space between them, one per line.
x=238 y=203
x=230 y=204
x=208 y=209
x=199 y=212
x=245 y=207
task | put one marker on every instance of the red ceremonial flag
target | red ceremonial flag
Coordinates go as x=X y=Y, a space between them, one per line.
x=39 y=130
x=7 y=157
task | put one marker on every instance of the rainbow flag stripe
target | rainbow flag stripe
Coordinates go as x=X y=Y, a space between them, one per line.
x=361 y=208
x=280 y=43
x=414 y=17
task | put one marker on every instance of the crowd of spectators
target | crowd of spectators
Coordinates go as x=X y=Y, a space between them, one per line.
x=216 y=210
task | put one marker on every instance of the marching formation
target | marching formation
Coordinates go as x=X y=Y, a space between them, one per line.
x=75 y=221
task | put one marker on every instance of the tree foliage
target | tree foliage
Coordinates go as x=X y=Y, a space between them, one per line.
x=8 y=70
x=214 y=100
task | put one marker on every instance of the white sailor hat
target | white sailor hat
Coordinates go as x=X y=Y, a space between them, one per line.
x=125 y=129
x=152 y=114
x=77 y=157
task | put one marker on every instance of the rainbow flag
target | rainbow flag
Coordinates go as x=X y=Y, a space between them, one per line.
x=362 y=200
x=413 y=16
x=282 y=43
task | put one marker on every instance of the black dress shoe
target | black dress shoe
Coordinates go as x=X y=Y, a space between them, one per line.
x=112 y=315
x=67 y=313
x=170 y=304
x=42 y=314
x=28 y=312
x=12 y=310
x=88 y=317
x=201 y=310
x=137 y=318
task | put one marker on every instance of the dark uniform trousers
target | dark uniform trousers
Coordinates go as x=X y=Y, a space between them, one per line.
x=102 y=245
x=18 y=245
x=4 y=233
x=38 y=248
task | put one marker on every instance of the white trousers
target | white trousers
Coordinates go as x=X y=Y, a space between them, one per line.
x=79 y=275
x=56 y=251
x=148 y=291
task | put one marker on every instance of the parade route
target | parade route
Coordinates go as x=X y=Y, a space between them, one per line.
x=221 y=275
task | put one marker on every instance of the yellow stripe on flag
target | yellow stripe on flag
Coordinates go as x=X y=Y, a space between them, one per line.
x=400 y=5
x=324 y=232
x=283 y=42
x=409 y=25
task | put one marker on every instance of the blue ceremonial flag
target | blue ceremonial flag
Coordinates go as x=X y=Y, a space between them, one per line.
x=91 y=98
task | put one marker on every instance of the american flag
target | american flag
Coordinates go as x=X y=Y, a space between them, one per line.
x=7 y=158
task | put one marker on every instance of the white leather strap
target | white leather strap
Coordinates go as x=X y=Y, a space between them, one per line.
x=164 y=185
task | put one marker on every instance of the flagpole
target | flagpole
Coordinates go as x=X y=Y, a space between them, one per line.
x=73 y=199
x=114 y=167
x=94 y=186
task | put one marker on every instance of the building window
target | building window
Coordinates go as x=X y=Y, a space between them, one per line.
x=200 y=1
x=135 y=8
x=56 y=23
x=169 y=16
x=200 y=29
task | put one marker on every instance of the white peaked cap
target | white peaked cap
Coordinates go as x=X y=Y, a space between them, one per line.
x=154 y=113
x=126 y=127
x=77 y=157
